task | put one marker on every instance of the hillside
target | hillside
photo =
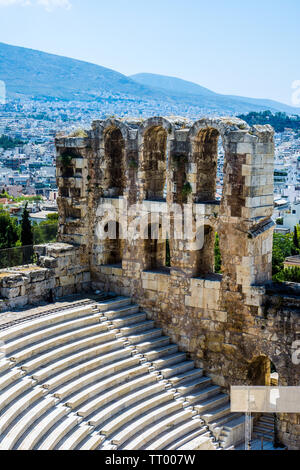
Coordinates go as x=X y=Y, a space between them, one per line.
x=177 y=86
x=39 y=75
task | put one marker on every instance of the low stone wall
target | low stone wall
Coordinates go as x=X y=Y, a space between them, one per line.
x=58 y=273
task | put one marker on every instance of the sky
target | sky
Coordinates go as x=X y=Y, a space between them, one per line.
x=246 y=48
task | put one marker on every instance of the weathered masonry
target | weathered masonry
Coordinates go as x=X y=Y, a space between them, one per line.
x=233 y=324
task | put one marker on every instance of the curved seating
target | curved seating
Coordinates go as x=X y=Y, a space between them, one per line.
x=102 y=376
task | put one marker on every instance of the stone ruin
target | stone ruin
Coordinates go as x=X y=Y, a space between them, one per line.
x=234 y=325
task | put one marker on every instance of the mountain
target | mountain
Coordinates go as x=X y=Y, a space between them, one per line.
x=179 y=87
x=39 y=75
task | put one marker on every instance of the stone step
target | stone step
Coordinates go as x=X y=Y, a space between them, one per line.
x=90 y=333
x=9 y=377
x=121 y=312
x=175 y=433
x=152 y=344
x=216 y=413
x=203 y=393
x=189 y=436
x=267 y=424
x=53 y=331
x=19 y=406
x=157 y=353
x=91 y=442
x=40 y=428
x=202 y=442
x=266 y=436
x=146 y=416
x=18 y=430
x=166 y=361
x=93 y=355
x=186 y=377
x=57 y=434
x=4 y=365
x=137 y=328
x=259 y=427
x=268 y=420
x=116 y=303
x=103 y=341
x=75 y=437
x=212 y=402
x=129 y=320
x=226 y=420
x=124 y=406
x=193 y=386
x=176 y=370
x=152 y=432
x=116 y=394
x=109 y=365
x=231 y=429
x=145 y=336
x=14 y=391
x=97 y=387
x=44 y=322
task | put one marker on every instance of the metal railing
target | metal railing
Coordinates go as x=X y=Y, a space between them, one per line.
x=23 y=255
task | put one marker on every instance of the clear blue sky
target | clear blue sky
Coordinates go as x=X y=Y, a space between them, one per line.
x=248 y=48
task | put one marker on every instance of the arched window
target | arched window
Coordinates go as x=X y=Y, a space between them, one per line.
x=114 y=174
x=114 y=244
x=155 y=163
x=209 y=160
x=205 y=255
x=260 y=371
x=157 y=249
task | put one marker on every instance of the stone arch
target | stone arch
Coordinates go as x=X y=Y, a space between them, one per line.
x=260 y=370
x=205 y=137
x=154 y=140
x=113 y=248
x=203 y=256
x=114 y=181
x=154 y=247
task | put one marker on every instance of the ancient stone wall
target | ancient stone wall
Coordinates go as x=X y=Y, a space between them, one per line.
x=58 y=273
x=228 y=323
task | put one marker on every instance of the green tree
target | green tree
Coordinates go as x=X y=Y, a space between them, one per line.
x=296 y=239
x=218 y=260
x=26 y=229
x=8 y=231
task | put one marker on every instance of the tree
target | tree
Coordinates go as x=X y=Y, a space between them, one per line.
x=8 y=231
x=296 y=239
x=26 y=229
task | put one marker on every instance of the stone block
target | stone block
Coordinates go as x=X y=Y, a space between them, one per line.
x=10 y=292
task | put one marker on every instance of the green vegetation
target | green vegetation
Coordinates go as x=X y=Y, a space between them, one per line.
x=7 y=142
x=187 y=189
x=26 y=229
x=283 y=247
x=279 y=121
x=9 y=231
x=66 y=160
x=218 y=259
x=5 y=195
